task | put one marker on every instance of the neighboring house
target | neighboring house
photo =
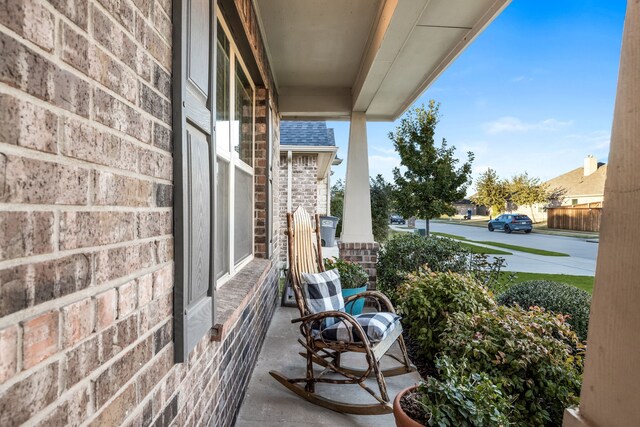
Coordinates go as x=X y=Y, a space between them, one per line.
x=581 y=186
x=139 y=185
x=464 y=205
x=307 y=152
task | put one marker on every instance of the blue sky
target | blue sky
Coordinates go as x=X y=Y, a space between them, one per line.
x=534 y=92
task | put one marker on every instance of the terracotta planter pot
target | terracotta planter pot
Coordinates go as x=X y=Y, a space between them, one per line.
x=402 y=419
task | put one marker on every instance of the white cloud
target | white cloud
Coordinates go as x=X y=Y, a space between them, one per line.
x=509 y=124
x=383 y=165
x=385 y=150
x=520 y=79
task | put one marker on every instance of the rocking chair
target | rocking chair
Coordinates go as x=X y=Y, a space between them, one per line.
x=328 y=333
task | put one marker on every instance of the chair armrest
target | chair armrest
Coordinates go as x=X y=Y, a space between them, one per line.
x=377 y=295
x=343 y=316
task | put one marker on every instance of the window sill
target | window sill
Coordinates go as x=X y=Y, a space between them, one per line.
x=234 y=295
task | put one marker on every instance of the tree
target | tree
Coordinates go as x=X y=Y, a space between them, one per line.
x=430 y=181
x=525 y=190
x=381 y=204
x=337 y=203
x=491 y=191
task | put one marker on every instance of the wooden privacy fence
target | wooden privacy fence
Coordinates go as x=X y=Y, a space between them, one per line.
x=577 y=218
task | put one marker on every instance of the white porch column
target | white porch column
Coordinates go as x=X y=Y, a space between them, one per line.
x=611 y=388
x=356 y=215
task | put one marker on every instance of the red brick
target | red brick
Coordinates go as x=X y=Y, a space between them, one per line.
x=82 y=360
x=84 y=229
x=118 y=410
x=9 y=353
x=123 y=369
x=117 y=190
x=162 y=281
x=82 y=141
x=25 y=234
x=118 y=115
x=152 y=224
x=29 y=396
x=155 y=372
x=27 y=125
x=40 y=338
x=75 y=48
x=71 y=411
x=156 y=164
x=127 y=299
x=31 y=20
x=111 y=74
x=78 y=321
x=56 y=278
x=106 y=309
x=75 y=10
x=36 y=182
x=145 y=289
x=124 y=261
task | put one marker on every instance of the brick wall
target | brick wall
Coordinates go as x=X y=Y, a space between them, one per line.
x=365 y=254
x=322 y=196
x=304 y=191
x=86 y=243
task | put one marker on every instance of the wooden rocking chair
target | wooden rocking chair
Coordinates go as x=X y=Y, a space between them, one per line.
x=305 y=256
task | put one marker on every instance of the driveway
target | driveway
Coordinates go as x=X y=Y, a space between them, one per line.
x=581 y=262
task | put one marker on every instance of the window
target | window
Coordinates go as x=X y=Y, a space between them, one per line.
x=235 y=129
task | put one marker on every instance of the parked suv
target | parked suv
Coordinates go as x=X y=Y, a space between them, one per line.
x=396 y=219
x=511 y=222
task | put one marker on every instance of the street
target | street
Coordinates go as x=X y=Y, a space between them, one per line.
x=581 y=262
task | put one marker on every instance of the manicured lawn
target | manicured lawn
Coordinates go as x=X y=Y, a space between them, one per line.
x=582 y=282
x=521 y=248
x=502 y=245
x=474 y=249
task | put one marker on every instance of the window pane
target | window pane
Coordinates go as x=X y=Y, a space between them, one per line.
x=222 y=219
x=243 y=117
x=243 y=216
x=223 y=91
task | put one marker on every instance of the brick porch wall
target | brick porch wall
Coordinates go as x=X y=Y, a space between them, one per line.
x=304 y=191
x=86 y=243
x=365 y=254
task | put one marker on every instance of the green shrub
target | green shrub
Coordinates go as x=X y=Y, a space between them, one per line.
x=352 y=274
x=552 y=296
x=427 y=299
x=533 y=355
x=407 y=252
x=460 y=398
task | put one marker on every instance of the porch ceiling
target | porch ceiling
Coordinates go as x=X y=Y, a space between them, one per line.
x=331 y=57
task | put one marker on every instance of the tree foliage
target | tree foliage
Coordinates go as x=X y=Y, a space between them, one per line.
x=337 y=203
x=431 y=180
x=527 y=191
x=381 y=193
x=491 y=191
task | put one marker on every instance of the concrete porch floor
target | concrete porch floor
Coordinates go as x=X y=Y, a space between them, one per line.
x=267 y=403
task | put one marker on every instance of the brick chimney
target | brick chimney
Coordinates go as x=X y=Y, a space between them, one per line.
x=590 y=165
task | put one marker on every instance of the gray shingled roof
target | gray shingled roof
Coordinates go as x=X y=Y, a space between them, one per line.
x=577 y=184
x=306 y=133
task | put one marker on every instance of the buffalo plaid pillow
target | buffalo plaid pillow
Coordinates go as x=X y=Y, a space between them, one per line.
x=375 y=325
x=323 y=292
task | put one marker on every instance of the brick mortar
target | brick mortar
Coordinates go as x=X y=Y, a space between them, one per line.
x=55 y=59
x=63 y=114
x=91 y=291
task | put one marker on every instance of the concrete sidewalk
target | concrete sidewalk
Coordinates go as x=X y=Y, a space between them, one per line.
x=269 y=404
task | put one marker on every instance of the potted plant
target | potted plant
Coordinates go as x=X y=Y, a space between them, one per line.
x=353 y=279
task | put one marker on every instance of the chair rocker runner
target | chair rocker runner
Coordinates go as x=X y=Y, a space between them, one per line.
x=328 y=331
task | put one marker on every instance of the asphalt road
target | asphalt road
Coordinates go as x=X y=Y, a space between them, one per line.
x=581 y=262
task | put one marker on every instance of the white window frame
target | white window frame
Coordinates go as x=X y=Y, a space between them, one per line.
x=232 y=158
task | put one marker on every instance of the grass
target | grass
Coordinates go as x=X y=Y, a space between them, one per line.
x=582 y=282
x=501 y=245
x=474 y=249
x=521 y=248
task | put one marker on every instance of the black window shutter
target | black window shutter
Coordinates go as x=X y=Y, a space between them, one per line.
x=194 y=163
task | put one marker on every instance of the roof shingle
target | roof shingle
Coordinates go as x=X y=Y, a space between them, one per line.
x=306 y=133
